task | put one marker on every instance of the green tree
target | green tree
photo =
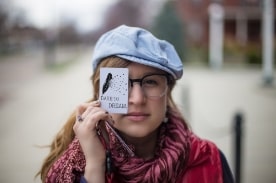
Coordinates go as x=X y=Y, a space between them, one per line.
x=168 y=26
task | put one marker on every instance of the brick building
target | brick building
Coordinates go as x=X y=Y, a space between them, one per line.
x=242 y=20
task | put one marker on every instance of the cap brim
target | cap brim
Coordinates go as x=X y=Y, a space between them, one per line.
x=147 y=63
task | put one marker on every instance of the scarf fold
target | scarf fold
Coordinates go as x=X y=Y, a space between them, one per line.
x=172 y=158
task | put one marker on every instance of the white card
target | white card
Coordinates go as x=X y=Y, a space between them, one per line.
x=114 y=89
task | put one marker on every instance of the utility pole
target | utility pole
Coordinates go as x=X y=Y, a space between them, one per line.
x=216 y=13
x=268 y=38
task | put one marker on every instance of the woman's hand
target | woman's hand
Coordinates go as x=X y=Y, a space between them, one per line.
x=87 y=116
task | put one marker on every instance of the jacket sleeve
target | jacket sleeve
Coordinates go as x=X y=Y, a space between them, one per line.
x=227 y=174
x=82 y=180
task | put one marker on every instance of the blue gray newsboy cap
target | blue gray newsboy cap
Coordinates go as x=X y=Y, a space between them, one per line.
x=140 y=46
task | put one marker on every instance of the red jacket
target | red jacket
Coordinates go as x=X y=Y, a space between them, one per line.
x=204 y=164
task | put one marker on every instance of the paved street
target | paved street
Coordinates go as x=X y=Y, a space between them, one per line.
x=33 y=109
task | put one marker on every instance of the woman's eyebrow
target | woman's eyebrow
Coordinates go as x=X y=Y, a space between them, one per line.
x=149 y=73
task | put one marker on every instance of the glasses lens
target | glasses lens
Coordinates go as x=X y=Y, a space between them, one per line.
x=154 y=85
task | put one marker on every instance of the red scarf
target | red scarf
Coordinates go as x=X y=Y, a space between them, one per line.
x=173 y=158
x=167 y=164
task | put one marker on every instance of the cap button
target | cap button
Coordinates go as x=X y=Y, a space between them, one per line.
x=164 y=61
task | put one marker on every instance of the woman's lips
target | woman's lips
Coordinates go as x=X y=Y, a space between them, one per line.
x=136 y=116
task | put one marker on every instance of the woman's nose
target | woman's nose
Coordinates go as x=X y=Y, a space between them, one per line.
x=136 y=94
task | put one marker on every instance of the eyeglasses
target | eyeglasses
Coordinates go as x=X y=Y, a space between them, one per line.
x=153 y=85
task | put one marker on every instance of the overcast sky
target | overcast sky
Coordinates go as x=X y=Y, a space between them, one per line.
x=88 y=14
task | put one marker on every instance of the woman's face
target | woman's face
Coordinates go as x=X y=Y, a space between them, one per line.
x=145 y=114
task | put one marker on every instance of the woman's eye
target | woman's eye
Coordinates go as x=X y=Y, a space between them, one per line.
x=150 y=82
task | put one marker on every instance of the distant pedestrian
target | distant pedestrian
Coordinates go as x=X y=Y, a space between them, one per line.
x=151 y=142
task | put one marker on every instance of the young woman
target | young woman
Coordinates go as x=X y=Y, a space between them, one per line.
x=151 y=142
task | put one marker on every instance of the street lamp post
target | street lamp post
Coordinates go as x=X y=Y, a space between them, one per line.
x=216 y=13
x=268 y=39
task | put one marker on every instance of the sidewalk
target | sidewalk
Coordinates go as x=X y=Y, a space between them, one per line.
x=36 y=110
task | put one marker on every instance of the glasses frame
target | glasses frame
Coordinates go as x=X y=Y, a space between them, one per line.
x=140 y=81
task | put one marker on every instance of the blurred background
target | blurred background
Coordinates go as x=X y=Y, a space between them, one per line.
x=227 y=93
